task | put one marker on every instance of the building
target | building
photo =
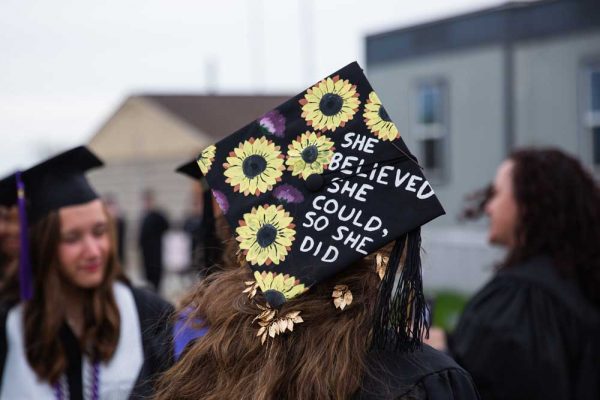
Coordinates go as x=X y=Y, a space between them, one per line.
x=148 y=136
x=466 y=90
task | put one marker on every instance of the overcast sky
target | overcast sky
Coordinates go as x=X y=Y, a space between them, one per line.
x=65 y=65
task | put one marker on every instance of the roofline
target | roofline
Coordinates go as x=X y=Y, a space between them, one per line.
x=505 y=24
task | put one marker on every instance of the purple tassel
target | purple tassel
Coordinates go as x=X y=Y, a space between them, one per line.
x=25 y=275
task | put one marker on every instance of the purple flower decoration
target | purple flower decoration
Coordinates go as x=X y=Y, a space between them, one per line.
x=221 y=200
x=288 y=194
x=273 y=123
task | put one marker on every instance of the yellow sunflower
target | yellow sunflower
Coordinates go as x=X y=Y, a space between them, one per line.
x=254 y=166
x=206 y=158
x=287 y=285
x=266 y=234
x=330 y=104
x=377 y=119
x=309 y=154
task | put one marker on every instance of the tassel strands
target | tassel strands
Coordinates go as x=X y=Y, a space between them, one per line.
x=400 y=314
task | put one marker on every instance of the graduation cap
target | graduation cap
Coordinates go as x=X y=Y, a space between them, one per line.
x=191 y=170
x=52 y=184
x=320 y=182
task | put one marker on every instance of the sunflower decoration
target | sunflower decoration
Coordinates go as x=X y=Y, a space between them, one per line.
x=206 y=158
x=266 y=235
x=254 y=166
x=309 y=154
x=330 y=104
x=377 y=119
x=277 y=288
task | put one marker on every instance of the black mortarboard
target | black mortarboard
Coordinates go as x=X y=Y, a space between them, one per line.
x=190 y=169
x=52 y=184
x=317 y=184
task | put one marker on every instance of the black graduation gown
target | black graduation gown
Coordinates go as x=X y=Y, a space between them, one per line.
x=425 y=374
x=530 y=334
x=154 y=316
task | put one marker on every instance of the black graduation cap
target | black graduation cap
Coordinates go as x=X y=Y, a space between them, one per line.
x=320 y=182
x=190 y=169
x=52 y=184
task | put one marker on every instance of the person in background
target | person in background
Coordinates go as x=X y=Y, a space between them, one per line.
x=533 y=332
x=154 y=225
x=80 y=331
x=9 y=255
x=115 y=212
x=205 y=225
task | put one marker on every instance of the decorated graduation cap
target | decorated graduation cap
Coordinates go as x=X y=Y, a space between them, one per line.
x=320 y=182
x=52 y=184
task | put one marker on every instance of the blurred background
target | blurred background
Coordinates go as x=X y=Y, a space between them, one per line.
x=148 y=84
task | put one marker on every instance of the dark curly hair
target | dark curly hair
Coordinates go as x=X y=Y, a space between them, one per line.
x=559 y=215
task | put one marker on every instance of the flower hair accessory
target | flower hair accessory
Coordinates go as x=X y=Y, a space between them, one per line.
x=342 y=296
x=271 y=324
x=381 y=263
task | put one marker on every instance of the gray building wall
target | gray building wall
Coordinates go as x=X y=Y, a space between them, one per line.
x=456 y=256
x=474 y=103
x=549 y=98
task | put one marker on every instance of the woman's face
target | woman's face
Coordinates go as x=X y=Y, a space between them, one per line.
x=84 y=244
x=502 y=207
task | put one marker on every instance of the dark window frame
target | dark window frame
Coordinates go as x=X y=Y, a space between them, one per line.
x=432 y=135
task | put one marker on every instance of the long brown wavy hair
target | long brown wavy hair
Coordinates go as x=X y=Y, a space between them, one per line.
x=323 y=358
x=558 y=203
x=45 y=312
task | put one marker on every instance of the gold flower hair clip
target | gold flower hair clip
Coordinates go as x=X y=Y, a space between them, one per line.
x=342 y=296
x=272 y=325
x=251 y=288
x=381 y=263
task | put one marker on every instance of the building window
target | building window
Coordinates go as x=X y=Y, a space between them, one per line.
x=431 y=129
x=592 y=113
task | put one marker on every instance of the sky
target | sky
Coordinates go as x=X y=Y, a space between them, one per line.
x=66 y=65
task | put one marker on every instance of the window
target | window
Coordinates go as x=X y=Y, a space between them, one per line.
x=591 y=140
x=594 y=81
x=431 y=129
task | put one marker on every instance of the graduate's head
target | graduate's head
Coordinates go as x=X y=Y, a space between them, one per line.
x=312 y=191
x=66 y=248
x=67 y=226
x=555 y=206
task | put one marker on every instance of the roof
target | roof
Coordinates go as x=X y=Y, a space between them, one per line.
x=505 y=24
x=217 y=115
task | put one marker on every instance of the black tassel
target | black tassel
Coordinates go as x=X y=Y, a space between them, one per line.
x=400 y=314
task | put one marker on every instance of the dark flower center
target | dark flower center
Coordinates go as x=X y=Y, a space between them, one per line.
x=331 y=104
x=266 y=235
x=309 y=154
x=254 y=165
x=274 y=298
x=384 y=115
